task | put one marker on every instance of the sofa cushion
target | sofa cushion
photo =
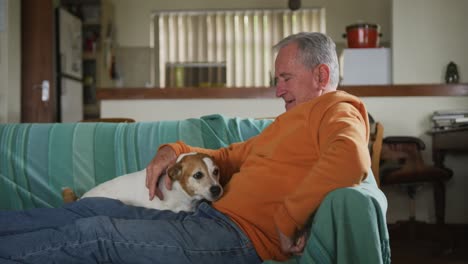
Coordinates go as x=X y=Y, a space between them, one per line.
x=38 y=160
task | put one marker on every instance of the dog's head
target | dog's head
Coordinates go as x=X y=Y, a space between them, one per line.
x=198 y=175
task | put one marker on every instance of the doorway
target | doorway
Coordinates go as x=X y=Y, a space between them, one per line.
x=38 y=105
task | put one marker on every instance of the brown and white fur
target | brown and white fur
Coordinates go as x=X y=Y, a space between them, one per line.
x=195 y=176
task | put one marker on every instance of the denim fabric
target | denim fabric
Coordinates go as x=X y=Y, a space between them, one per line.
x=100 y=230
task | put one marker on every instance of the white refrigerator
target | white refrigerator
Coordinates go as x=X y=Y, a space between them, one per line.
x=69 y=66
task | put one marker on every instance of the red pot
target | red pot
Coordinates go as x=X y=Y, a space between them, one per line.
x=362 y=35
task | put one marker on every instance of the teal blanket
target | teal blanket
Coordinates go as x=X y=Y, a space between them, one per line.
x=348 y=227
x=38 y=160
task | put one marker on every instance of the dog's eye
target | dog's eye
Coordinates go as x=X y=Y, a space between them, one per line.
x=198 y=175
x=216 y=172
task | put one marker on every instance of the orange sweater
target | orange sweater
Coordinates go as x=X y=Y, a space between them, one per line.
x=279 y=177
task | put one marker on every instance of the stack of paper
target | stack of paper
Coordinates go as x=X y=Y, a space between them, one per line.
x=450 y=119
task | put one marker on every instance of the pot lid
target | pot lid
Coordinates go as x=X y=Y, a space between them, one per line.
x=363 y=25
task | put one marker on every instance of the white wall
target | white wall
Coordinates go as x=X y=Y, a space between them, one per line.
x=150 y=110
x=10 y=59
x=132 y=18
x=427 y=35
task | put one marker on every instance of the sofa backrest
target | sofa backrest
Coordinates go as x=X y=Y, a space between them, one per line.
x=38 y=160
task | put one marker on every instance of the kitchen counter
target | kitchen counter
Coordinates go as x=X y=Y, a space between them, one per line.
x=267 y=92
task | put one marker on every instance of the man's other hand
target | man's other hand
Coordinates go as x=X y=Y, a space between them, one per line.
x=289 y=246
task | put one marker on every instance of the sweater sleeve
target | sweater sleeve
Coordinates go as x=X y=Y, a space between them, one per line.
x=344 y=161
x=229 y=159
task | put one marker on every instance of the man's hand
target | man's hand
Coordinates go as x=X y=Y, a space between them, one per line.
x=157 y=167
x=289 y=246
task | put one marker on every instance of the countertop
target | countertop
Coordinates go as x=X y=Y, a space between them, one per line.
x=135 y=93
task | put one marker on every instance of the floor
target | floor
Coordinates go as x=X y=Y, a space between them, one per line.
x=428 y=252
x=424 y=246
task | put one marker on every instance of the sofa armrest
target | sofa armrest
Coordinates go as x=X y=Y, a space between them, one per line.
x=349 y=227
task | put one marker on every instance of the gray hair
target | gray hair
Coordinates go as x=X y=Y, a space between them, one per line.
x=315 y=48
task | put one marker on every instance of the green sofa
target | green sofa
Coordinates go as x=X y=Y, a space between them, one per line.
x=38 y=160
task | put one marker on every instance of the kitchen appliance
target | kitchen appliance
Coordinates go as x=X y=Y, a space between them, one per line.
x=69 y=73
x=363 y=35
x=366 y=66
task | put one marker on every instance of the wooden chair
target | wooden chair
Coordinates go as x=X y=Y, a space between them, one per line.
x=402 y=164
x=375 y=148
x=398 y=160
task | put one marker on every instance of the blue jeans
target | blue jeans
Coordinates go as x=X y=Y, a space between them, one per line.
x=100 y=230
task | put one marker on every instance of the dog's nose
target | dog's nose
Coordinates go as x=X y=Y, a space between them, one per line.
x=215 y=190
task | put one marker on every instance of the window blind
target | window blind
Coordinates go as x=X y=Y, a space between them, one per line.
x=224 y=48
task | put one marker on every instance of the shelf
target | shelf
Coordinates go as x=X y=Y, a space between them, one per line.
x=266 y=92
x=97 y=21
x=408 y=90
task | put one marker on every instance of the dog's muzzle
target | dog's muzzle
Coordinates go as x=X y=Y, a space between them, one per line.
x=215 y=191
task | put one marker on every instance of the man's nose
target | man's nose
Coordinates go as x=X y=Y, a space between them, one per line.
x=279 y=90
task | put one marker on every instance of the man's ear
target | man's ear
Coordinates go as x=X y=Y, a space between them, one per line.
x=175 y=172
x=323 y=75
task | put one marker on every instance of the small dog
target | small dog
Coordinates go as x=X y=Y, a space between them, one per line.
x=195 y=177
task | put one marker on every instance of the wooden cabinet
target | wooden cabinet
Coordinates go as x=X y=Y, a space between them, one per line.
x=98 y=48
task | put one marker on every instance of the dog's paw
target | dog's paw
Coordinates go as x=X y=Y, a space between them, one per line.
x=68 y=195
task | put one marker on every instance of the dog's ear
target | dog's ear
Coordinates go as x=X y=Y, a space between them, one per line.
x=175 y=172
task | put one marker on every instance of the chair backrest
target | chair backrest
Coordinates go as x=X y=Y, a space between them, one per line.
x=375 y=148
x=401 y=153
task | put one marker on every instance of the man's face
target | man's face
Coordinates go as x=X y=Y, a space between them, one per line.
x=295 y=83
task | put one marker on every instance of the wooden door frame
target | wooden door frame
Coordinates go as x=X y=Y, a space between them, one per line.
x=37 y=61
